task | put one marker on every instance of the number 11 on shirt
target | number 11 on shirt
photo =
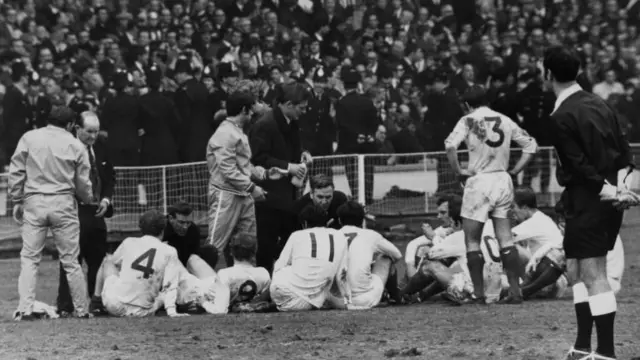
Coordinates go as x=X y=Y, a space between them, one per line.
x=314 y=247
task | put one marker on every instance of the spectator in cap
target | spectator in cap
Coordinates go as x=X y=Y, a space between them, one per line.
x=317 y=129
x=192 y=104
x=16 y=112
x=38 y=104
x=160 y=123
x=357 y=122
x=121 y=119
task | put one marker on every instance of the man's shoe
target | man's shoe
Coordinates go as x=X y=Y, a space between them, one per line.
x=65 y=314
x=574 y=354
x=84 y=316
x=96 y=307
x=19 y=316
x=511 y=300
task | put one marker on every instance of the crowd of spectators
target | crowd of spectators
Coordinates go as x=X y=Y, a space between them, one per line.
x=157 y=71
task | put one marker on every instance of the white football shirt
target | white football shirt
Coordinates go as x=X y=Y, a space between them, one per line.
x=147 y=267
x=364 y=247
x=416 y=249
x=192 y=290
x=488 y=135
x=317 y=256
x=245 y=281
x=537 y=231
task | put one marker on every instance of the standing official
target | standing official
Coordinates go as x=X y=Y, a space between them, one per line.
x=595 y=166
x=48 y=170
x=232 y=181
x=93 y=229
x=275 y=142
x=356 y=116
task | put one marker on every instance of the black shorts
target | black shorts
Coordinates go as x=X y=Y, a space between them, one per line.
x=592 y=226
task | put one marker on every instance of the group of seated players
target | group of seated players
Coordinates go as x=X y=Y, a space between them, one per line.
x=335 y=264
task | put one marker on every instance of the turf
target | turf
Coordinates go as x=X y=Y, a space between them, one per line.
x=536 y=330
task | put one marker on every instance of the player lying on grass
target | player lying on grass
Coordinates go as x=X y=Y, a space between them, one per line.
x=311 y=261
x=200 y=289
x=371 y=261
x=418 y=247
x=248 y=284
x=142 y=275
x=488 y=191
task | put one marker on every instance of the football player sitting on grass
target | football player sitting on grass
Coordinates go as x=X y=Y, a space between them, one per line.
x=370 y=268
x=311 y=261
x=142 y=275
x=200 y=289
x=248 y=284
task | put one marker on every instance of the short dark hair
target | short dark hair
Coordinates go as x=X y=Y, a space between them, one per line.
x=209 y=254
x=61 y=116
x=238 y=102
x=152 y=223
x=294 y=92
x=525 y=196
x=351 y=213
x=239 y=246
x=454 y=201
x=320 y=181
x=475 y=96
x=180 y=207
x=562 y=63
x=313 y=216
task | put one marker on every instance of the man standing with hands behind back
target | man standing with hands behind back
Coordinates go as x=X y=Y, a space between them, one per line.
x=93 y=229
x=48 y=170
x=275 y=142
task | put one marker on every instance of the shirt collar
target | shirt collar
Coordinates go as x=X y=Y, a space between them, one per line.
x=564 y=95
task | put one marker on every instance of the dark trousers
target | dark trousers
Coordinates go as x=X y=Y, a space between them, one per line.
x=274 y=228
x=93 y=248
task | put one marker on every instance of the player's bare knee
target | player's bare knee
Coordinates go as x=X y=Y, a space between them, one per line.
x=502 y=228
x=572 y=272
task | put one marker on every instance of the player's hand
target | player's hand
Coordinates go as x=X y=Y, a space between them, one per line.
x=276 y=173
x=102 y=208
x=258 y=194
x=297 y=170
x=428 y=231
x=306 y=158
x=18 y=213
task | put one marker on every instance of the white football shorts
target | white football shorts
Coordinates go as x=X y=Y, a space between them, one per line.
x=487 y=194
x=115 y=307
x=285 y=295
x=372 y=297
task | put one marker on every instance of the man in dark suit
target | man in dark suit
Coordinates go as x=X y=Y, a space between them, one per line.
x=15 y=106
x=39 y=104
x=595 y=167
x=357 y=121
x=275 y=142
x=93 y=229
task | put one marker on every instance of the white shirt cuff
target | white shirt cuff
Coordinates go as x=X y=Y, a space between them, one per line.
x=608 y=191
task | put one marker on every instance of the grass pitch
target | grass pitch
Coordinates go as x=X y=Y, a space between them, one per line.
x=432 y=330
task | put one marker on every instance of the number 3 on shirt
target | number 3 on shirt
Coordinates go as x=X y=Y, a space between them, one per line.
x=147 y=258
x=496 y=121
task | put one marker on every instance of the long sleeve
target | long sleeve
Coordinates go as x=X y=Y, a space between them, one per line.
x=387 y=248
x=222 y=148
x=458 y=135
x=82 y=181
x=18 y=172
x=260 y=142
x=170 y=281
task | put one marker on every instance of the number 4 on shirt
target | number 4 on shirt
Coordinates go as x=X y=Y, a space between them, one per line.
x=147 y=258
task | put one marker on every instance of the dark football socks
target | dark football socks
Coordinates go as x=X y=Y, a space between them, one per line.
x=416 y=283
x=392 y=285
x=546 y=274
x=603 y=309
x=511 y=265
x=433 y=289
x=475 y=264
x=583 y=317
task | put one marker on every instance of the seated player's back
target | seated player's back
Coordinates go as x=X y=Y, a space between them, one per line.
x=146 y=264
x=245 y=281
x=311 y=258
x=537 y=231
x=364 y=246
